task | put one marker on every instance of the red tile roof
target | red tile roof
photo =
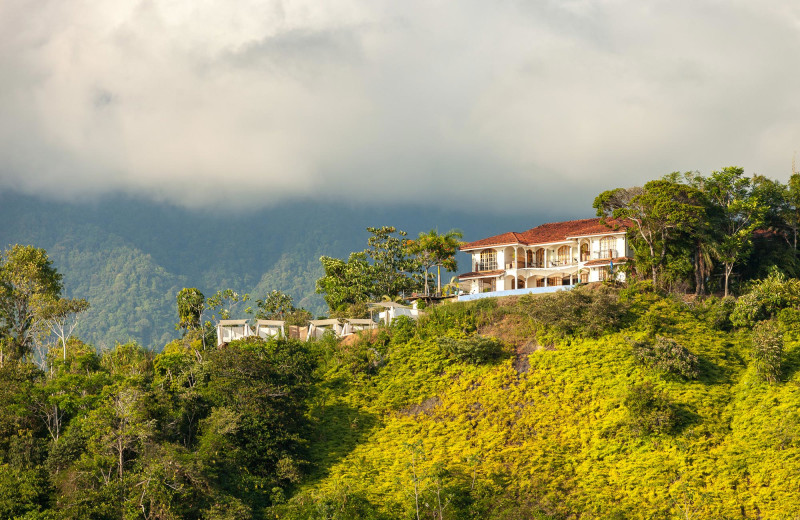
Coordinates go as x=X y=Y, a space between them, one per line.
x=548 y=233
x=605 y=261
x=480 y=274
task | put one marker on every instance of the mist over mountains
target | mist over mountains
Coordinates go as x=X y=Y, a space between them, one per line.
x=129 y=257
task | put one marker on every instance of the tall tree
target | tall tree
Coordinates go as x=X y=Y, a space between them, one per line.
x=61 y=317
x=661 y=212
x=792 y=209
x=346 y=282
x=382 y=269
x=432 y=249
x=740 y=211
x=27 y=277
x=390 y=262
x=191 y=303
x=275 y=305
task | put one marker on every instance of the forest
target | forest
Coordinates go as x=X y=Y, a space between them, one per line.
x=673 y=395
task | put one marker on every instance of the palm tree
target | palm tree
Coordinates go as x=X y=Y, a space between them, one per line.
x=432 y=249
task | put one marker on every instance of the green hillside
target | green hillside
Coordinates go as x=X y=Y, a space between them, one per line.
x=559 y=406
x=544 y=431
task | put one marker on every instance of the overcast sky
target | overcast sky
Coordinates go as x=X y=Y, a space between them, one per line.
x=497 y=106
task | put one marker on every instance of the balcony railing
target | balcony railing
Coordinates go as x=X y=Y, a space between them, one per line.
x=519 y=264
x=604 y=254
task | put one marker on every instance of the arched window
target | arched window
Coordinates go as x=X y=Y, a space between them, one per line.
x=563 y=255
x=488 y=260
x=584 y=252
x=607 y=245
x=540 y=258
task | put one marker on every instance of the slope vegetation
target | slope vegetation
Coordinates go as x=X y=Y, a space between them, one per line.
x=563 y=421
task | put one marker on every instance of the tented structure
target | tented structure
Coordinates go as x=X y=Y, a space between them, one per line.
x=316 y=328
x=270 y=329
x=230 y=330
x=393 y=310
x=355 y=325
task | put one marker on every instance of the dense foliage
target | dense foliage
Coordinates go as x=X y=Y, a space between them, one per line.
x=688 y=230
x=185 y=434
x=667 y=356
x=384 y=269
x=528 y=408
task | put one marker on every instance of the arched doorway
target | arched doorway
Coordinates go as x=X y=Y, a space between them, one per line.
x=584 y=252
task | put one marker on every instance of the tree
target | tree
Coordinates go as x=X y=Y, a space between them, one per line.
x=661 y=212
x=432 y=249
x=390 y=262
x=220 y=305
x=191 y=303
x=739 y=213
x=380 y=270
x=275 y=305
x=345 y=282
x=27 y=277
x=223 y=301
x=61 y=317
x=792 y=213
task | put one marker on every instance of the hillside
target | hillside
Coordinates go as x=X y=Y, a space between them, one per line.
x=599 y=402
x=545 y=430
x=129 y=257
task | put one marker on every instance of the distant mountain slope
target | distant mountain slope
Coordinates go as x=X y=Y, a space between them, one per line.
x=129 y=257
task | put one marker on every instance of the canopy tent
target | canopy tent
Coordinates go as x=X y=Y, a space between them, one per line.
x=316 y=328
x=230 y=330
x=393 y=310
x=355 y=325
x=270 y=329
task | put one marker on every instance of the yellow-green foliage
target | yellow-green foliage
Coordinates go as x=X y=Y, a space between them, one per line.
x=550 y=436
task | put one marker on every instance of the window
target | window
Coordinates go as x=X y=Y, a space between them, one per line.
x=563 y=255
x=584 y=252
x=488 y=260
x=540 y=258
x=607 y=245
x=584 y=277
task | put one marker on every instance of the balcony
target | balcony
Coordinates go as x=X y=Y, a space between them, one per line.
x=541 y=265
x=604 y=254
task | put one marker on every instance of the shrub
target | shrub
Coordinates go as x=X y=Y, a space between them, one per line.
x=650 y=411
x=765 y=299
x=668 y=356
x=402 y=329
x=717 y=311
x=476 y=350
x=767 y=350
x=582 y=311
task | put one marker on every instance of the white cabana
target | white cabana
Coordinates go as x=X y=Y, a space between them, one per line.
x=316 y=328
x=394 y=310
x=270 y=329
x=355 y=325
x=230 y=330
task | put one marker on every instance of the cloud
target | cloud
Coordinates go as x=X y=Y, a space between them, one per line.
x=505 y=106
